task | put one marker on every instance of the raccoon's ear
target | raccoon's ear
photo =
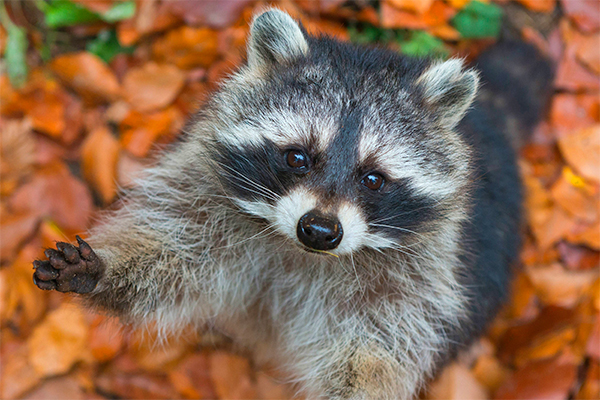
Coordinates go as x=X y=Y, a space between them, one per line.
x=449 y=90
x=274 y=37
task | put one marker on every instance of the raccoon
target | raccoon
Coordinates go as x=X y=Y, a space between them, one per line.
x=348 y=213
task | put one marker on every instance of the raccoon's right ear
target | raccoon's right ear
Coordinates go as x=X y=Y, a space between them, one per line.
x=449 y=90
x=274 y=37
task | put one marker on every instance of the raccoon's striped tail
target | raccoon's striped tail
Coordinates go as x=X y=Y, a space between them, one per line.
x=516 y=86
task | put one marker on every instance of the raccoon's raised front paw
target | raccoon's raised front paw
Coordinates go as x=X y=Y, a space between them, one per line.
x=69 y=268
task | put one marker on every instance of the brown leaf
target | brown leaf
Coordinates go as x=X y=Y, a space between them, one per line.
x=17 y=153
x=59 y=341
x=88 y=75
x=152 y=86
x=568 y=191
x=231 y=376
x=23 y=304
x=572 y=75
x=547 y=380
x=58 y=388
x=578 y=257
x=593 y=344
x=217 y=15
x=18 y=376
x=585 y=13
x=393 y=18
x=418 y=6
x=140 y=131
x=456 y=383
x=570 y=112
x=100 y=153
x=192 y=379
x=55 y=193
x=582 y=151
x=136 y=386
x=14 y=230
x=187 y=47
x=151 y=17
x=105 y=339
x=588 y=235
x=587 y=51
x=539 y=5
x=557 y=286
x=489 y=372
x=590 y=389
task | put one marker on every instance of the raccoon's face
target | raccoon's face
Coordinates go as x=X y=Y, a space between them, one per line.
x=338 y=147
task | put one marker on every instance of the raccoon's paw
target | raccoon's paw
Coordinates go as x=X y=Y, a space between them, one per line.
x=69 y=268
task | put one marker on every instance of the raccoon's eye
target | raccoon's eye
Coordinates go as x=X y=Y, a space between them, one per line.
x=297 y=160
x=373 y=181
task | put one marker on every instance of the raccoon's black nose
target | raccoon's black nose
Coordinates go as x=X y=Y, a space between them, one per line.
x=318 y=231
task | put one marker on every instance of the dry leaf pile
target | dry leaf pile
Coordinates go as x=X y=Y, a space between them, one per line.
x=80 y=127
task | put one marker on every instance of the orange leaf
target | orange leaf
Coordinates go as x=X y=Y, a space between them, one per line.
x=100 y=153
x=393 y=18
x=588 y=53
x=574 y=199
x=14 y=229
x=456 y=383
x=187 y=47
x=418 y=6
x=557 y=286
x=59 y=341
x=585 y=13
x=570 y=112
x=582 y=151
x=539 y=5
x=106 y=338
x=191 y=377
x=231 y=376
x=18 y=376
x=140 y=131
x=55 y=193
x=88 y=75
x=548 y=380
x=152 y=86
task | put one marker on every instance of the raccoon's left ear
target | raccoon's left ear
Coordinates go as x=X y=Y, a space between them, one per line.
x=449 y=90
x=274 y=37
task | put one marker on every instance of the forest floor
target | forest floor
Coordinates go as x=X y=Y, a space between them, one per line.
x=90 y=88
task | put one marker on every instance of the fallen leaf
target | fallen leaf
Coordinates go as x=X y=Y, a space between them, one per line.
x=574 y=199
x=106 y=339
x=547 y=380
x=589 y=236
x=14 y=230
x=65 y=387
x=187 y=47
x=88 y=75
x=585 y=13
x=593 y=344
x=136 y=386
x=587 y=52
x=151 y=17
x=217 y=15
x=546 y=347
x=590 y=390
x=393 y=18
x=570 y=112
x=489 y=372
x=140 y=131
x=231 y=376
x=55 y=193
x=582 y=151
x=578 y=257
x=539 y=5
x=418 y=6
x=99 y=157
x=153 y=86
x=18 y=375
x=17 y=153
x=557 y=286
x=192 y=377
x=572 y=76
x=455 y=383
x=59 y=341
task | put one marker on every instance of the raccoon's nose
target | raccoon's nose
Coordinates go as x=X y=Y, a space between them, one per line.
x=318 y=231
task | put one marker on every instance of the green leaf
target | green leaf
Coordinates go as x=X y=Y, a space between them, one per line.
x=15 y=55
x=478 y=20
x=59 y=13
x=369 y=34
x=106 y=46
x=119 y=11
x=422 y=44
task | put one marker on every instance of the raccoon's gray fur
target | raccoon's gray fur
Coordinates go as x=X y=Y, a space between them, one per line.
x=311 y=126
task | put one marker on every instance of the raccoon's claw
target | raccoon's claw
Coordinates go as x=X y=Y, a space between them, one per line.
x=68 y=269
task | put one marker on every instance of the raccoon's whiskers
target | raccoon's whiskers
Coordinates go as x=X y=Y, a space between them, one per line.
x=245 y=179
